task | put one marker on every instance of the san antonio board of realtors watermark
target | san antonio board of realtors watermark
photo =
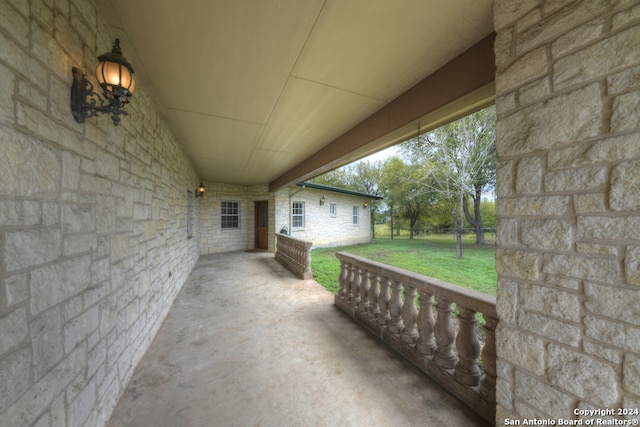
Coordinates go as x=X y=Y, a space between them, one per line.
x=587 y=417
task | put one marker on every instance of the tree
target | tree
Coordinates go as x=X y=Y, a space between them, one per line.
x=413 y=202
x=458 y=161
x=480 y=131
x=367 y=180
x=392 y=193
x=336 y=178
x=439 y=215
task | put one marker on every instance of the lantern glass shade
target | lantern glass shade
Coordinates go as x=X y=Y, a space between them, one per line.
x=115 y=76
x=116 y=80
x=200 y=190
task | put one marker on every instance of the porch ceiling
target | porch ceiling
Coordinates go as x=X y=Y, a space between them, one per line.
x=254 y=88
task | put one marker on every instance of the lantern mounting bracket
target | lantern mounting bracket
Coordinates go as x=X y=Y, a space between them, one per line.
x=115 y=77
x=85 y=102
x=199 y=192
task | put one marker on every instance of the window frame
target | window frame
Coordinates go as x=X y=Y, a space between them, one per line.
x=333 y=210
x=356 y=215
x=225 y=217
x=297 y=215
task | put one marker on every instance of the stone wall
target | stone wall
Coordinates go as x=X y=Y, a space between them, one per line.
x=213 y=238
x=93 y=224
x=568 y=205
x=321 y=228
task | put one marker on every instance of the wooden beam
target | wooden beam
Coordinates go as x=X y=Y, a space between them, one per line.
x=470 y=71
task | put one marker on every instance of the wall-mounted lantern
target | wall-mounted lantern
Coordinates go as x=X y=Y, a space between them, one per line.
x=200 y=190
x=322 y=200
x=365 y=205
x=115 y=76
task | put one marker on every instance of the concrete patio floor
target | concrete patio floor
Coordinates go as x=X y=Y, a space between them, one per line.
x=248 y=344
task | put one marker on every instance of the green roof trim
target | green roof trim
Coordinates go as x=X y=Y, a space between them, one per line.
x=313 y=185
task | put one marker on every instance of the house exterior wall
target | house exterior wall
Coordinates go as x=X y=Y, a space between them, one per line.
x=568 y=206
x=320 y=227
x=93 y=224
x=213 y=238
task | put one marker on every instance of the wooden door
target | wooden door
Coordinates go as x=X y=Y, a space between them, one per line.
x=262 y=224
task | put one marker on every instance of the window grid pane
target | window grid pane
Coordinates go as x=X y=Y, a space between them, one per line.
x=230 y=214
x=355 y=215
x=297 y=215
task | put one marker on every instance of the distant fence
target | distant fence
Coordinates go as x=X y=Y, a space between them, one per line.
x=384 y=231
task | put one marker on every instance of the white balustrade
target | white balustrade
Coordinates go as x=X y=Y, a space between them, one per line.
x=295 y=255
x=398 y=306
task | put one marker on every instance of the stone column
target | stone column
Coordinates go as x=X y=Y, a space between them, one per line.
x=568 y=206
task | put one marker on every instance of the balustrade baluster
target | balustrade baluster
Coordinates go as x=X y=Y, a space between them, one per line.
x=426 y=341
x=364 y=291
x=383 y=301
x=294 y=258
x=395 y=307
x=342 y=292
x=355 y=286
x=349 y=282
x=467 y=370
x=445 y=336
x=374 y=292
x=409 y=315
x=290 y=256
x=488 y=385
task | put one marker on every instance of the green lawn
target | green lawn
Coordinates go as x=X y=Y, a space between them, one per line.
x=433 y=256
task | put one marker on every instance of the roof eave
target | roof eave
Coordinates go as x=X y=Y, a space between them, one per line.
x=323 y=187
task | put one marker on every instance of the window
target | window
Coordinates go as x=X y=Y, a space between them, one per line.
x=230 y=214
x=297 y=215
x=355 y=215
x=333 y=209
x=189 y=215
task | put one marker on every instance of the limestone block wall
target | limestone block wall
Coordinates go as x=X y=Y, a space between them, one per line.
x=282 y=208
x=322 y=228
x=213 y=238
x=568 y=205
x=93 y=224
